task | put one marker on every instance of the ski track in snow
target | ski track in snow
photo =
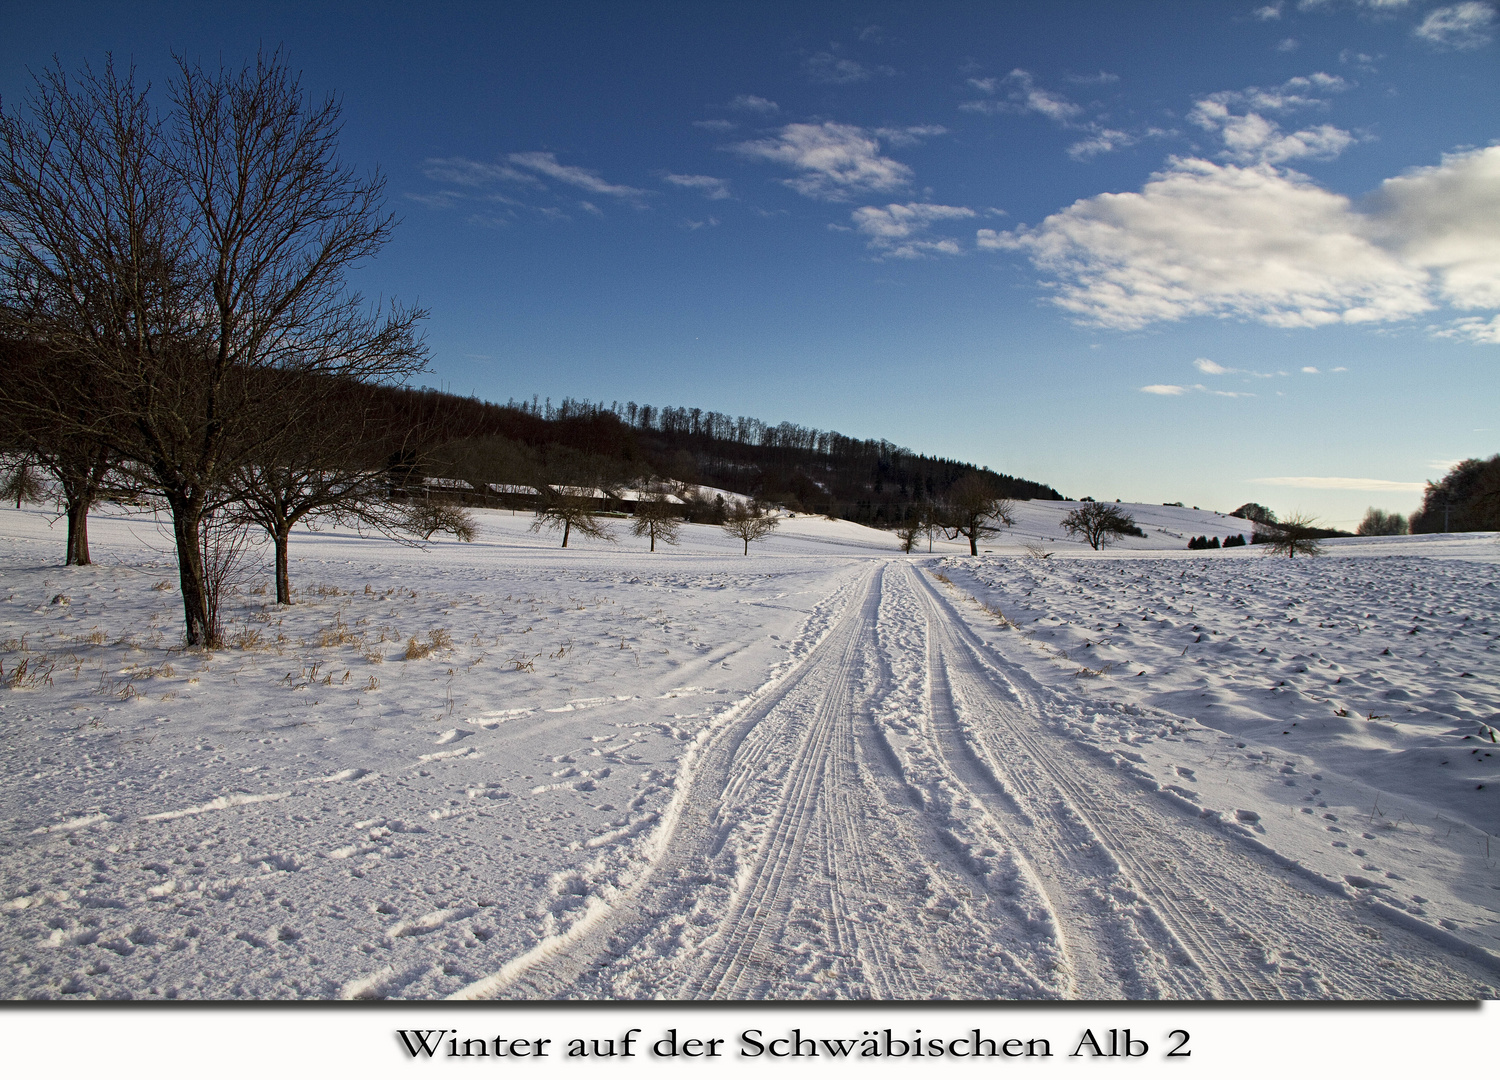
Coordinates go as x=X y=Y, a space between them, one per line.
x=802 y=775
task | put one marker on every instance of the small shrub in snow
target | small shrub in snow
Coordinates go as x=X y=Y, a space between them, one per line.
x=247 y=638
x=337 y=634
x=417 y=650
x=1297 y=535
x=31 y=672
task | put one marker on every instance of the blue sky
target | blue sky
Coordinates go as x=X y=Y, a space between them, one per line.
x=1159 y=252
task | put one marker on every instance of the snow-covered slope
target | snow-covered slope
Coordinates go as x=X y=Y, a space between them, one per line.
x=462 y=768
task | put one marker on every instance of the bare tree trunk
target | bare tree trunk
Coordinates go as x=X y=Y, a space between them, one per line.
x=282 y=537
x=973 y=544
x=187 y=525
x=567 y=525
x=78 y=533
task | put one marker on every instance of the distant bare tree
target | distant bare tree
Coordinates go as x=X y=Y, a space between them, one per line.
x=931 y=520
x=562 y=508
x=1297 y=535
x=907 y=532
x=1254 y=512
x=749 y=523
x=657 y=518
x=19 y=481
x=1098 y=523
x=183 y=258
x=975 y=512
x=331 y=463
x=48 y=401
x=433 y=516
x=1379 y=523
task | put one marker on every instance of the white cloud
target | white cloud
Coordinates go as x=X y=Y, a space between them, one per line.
x=1253 y=138
x=1298 y=92
x=1290 y=44
x=1102 y=141
x=590 y=181
x=910 y=136
x=1208 y=367
x=825 y=67
x=754 y=103
x=467 y=173
x=1472 y=329
x=1446 y=218
x=1268 y=13
x=711 y=186
x=1249 y=137
x=1173 y=390
x=438 y=200
x=1310 y=371
x=1023 y=96
x=898 y=229
x=1103 y=78
x=1338 y=483
x=834 y=161
x=1373 y=5
x=488 y=221
x=1461 y=26
x=1201 y=238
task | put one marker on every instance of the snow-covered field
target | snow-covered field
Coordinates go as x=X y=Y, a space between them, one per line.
x=826 y=770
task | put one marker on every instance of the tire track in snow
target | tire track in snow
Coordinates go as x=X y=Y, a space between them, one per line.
x=1252 y=929
x=690 y=834
x=752 y=934
x=1083 y=830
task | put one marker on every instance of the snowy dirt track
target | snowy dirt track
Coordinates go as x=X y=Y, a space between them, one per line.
x=869 y=830
x=825 y=771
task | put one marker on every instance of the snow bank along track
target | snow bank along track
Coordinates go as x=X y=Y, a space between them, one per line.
x=895 y=818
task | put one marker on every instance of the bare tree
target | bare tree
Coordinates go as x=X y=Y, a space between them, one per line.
x=19 y=481
x=432 y=516
x=43 y=388
x=749 y=523
x=658 y=518
x=931 y=521
x=1098 y=523
x=1379 y=523
x=907 y=532
x=332 y=466
x=1297 y=535
x=182 y=259
x=569 y=510
x=976 y=512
